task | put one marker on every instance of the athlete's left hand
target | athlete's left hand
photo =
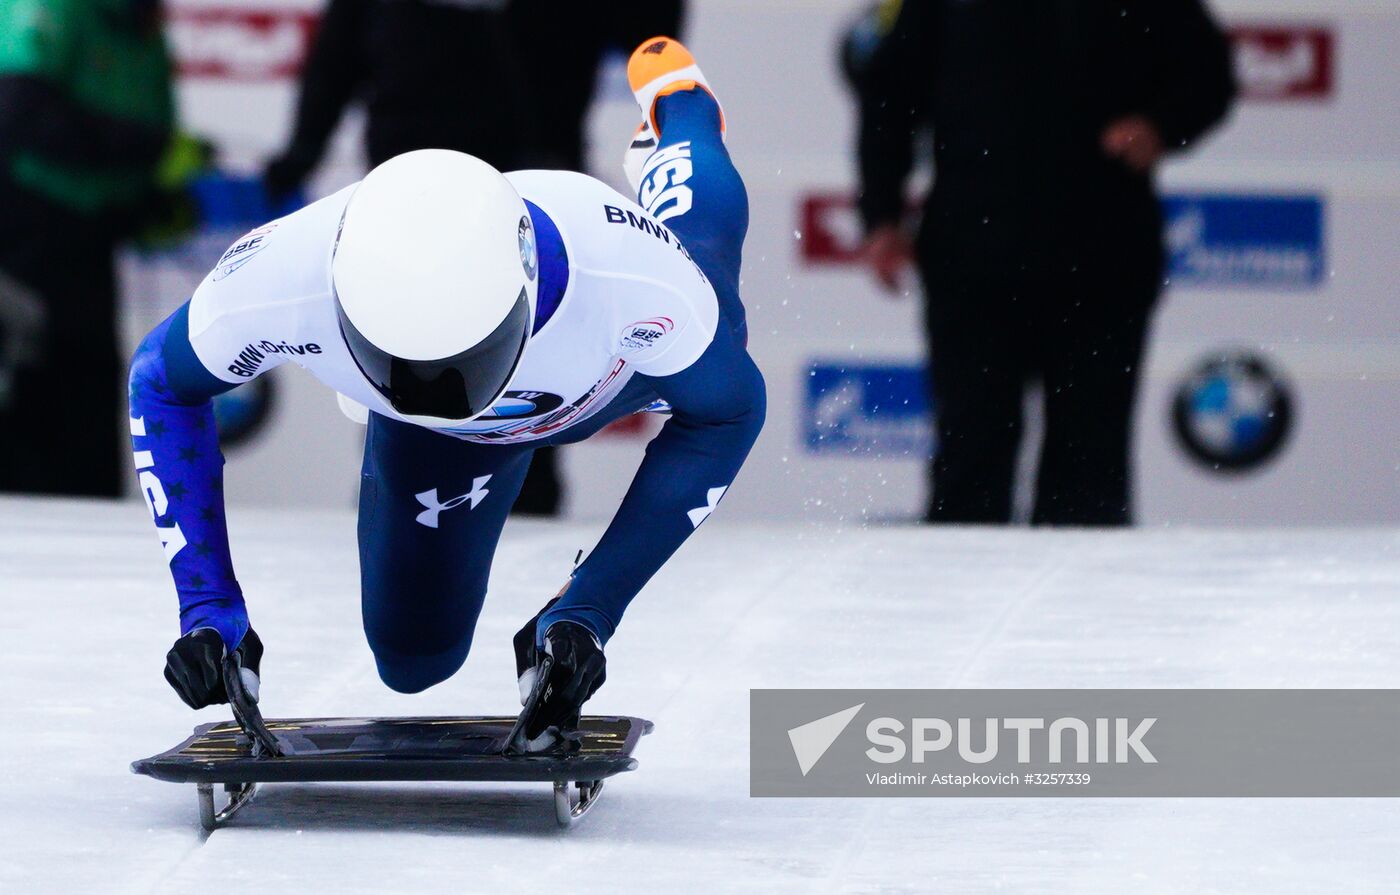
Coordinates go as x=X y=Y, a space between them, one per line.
x=194 y=666
x=555 y=682
x=1135 y=141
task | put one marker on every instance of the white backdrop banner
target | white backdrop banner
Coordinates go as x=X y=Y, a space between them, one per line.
x=1272 y=390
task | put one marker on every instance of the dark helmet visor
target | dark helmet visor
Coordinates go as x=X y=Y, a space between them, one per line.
x=453 y=388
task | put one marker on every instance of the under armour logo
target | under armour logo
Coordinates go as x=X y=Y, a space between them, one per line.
x=429 y=499
x=700 y=514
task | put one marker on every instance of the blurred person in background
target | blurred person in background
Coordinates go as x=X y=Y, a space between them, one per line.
x=85 y=117
x=508 y=81
x=1040 y=247
x=565 y=42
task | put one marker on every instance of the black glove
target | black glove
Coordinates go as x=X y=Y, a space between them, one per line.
x=524 y=643
x=555 y=684
x=194 y=666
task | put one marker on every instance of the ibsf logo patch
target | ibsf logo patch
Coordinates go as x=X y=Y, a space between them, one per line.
x=1233 y=412
x=242 y=251
x=644 y=334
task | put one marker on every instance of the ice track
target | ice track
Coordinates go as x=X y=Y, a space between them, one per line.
x=87 y=612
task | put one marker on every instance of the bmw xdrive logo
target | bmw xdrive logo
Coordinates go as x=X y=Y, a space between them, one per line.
x=1232 y=412
x=526 y=234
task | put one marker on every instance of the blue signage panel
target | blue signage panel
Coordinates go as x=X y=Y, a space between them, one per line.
x=1245 y=240
x=867 y=410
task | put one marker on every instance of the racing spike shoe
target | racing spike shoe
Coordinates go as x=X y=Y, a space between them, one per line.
x=659 y=67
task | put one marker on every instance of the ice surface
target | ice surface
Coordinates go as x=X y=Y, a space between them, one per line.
x=87 y=612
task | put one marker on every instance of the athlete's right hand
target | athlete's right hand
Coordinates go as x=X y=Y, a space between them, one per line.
x=194 y=666
x=888 y=252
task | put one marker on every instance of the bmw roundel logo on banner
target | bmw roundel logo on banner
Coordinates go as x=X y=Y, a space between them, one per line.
x=1232 y=412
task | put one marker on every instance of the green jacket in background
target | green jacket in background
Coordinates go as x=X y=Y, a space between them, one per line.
x=99 y=55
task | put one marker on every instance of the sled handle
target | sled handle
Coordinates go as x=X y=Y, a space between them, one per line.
x=246 y=711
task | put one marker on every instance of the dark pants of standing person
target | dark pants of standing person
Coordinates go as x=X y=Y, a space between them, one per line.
x=1083 y=339
x=60 y=419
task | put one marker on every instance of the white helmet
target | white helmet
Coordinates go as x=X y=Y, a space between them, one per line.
x=434 y=275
